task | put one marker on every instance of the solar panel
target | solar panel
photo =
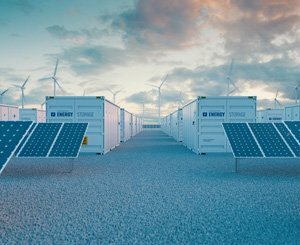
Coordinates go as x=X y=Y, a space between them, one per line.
x=241 y=140
x=40 y=141
x=270 y=140
x=289 y=138
x=294 y=127
x=11 y=133
x=69 y=140
x=33 y=125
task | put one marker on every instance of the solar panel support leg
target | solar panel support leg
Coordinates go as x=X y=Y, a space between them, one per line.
x=236 y=165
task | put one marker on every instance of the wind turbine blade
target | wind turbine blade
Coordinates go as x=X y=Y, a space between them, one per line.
x=152 y=85
x=17 y=86
x=55 y=69
x=59 y=86
x=164 y=80
x=4 y=92
x=276 y=94
x=231 y=68
x=110 y=91
x=45 y=78
x=25 y=82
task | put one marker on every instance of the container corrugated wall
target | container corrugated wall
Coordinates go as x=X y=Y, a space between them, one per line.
x=33 y=114
x=202 y=121
x=270 y=115
x=103 y=133
x=292 y=113
x=176 y=125
x=126 y=122
x=9 y=113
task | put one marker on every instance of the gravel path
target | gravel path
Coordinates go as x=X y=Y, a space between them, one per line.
x=150 y=190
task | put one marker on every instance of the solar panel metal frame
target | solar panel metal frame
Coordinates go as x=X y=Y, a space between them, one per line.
x=246 y=157
x=53 y=157
x=281 y=138
x=284 y=122
x=53 y=143
x=16 y=147
x=38 y=157
x=288 y=145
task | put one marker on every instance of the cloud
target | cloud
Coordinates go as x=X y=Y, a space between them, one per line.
x=74 y=36
x=25 y=6
x=94 y=59
x=160 y=24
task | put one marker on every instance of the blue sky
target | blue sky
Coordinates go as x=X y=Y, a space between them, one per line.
x=127 y=44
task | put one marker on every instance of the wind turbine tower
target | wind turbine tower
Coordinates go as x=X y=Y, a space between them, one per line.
x=22 y=90
x=229 y=79
x=159 y=96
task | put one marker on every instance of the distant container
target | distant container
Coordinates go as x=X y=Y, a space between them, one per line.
x=292 y=112
x=103 y=133
x=176 y=121
x=9 y=113
x=33 y=114
x=125 y=125
x=133 y=125
x=166 y=124
x=203 y=118
x=270 y=115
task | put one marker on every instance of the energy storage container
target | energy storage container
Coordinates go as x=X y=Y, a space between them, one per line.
x=177 y=125
x=270 y=115
x=292 y=112
x=203 y=118
x=166 y=124
x=9 y=113
x=133 y=125
x=125 y=125
x=33 y=114
x=103 y=133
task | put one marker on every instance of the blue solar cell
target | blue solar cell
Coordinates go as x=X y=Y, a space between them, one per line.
x=270 y=140
x=289 y=138
x=40 y=141
x=25 y=138
x=69 y=140
x=11 y=133
x=294 y=126
x=241 y=140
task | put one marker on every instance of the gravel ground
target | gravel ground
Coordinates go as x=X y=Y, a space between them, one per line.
x=150 y=190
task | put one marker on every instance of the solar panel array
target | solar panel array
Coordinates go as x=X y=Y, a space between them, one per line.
x=40 y=141
x=242 y=142
x=11 y=133
x=54 y=140
x=278 y=140
x=69 y=140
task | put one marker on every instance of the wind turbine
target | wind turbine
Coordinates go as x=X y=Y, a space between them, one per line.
x=296 y=91
x=2 y=94
x=42 y=105
x=276 y=101
x=114 y=94
x=54 y=78
x=229 y=79
x=22 y=90
x=159 y=95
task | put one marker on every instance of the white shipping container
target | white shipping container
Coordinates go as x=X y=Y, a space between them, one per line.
x=125 y=125
x=133 y=125
x=103 y=133
x=292 y=112
x=9 y=113
x=203 y=118
x=270 y=115
x=33 y=114
x=177 y=125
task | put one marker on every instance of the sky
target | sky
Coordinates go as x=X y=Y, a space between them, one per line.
x=128 y=44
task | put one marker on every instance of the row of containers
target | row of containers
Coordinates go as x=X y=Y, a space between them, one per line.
x=198 y=124
x=109 y=125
